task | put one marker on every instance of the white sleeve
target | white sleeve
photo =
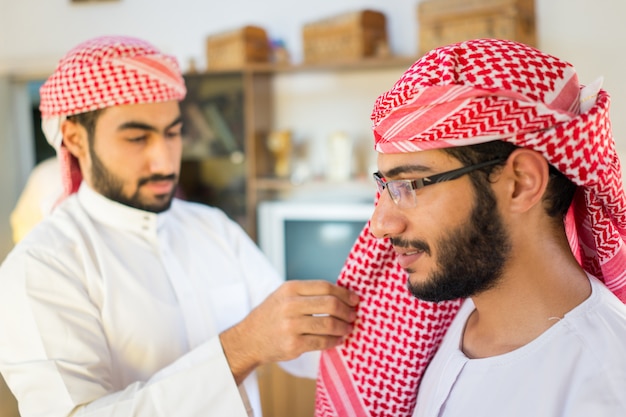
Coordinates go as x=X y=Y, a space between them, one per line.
x=262 y=278
x=198 y=383
x=55 y=359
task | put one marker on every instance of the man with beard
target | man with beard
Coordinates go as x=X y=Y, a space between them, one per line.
x=126 y=301
x=498 y=184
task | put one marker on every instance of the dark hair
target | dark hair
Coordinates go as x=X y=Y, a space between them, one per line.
x=88 y=121
x=559 y=193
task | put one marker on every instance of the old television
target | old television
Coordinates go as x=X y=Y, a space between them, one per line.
x=307 y=240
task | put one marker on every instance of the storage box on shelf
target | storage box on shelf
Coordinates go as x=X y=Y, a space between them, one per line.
x=349 y=36
x=442 y=22
x=236 y=48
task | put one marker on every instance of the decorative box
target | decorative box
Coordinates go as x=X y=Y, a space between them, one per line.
x=236 y=48
x=345 y=37
x=442 y=22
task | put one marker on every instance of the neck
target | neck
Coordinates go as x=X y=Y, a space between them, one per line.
x=537 y=288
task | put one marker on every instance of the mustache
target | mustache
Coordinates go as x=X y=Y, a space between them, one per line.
x=410 y=244
x=157 y=177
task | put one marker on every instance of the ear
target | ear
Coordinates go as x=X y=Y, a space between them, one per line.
x=528 y=172
x=75 y=139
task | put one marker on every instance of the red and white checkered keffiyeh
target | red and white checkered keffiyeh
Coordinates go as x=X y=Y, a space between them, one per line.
x=471 y=92
x=103 y=72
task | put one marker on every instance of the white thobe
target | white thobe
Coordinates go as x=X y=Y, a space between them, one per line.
x=577 y=368
x=115 y=311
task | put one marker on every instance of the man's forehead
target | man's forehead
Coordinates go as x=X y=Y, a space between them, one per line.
x=429 y=161
x=160 y=109
x=155 y=115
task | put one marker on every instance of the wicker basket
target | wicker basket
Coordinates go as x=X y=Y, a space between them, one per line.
x=346 y=37
x=236 y=48
x=442 y=22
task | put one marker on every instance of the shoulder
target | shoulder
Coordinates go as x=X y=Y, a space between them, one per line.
x=57 y=235
x=54 y=247
x=600 y=394
x=59 y=226
x=602 y=316
x=598 y=327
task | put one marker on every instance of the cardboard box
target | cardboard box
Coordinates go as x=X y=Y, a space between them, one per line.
x=442 y=22
x=236 y=48
x=346 y=37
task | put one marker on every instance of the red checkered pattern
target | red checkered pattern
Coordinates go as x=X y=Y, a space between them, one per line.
x=471 y=92
x=103 y=72
x=110 y=71
x=377 y=370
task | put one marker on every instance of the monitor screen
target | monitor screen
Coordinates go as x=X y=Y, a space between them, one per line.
x=306 y=240
x=317 y=249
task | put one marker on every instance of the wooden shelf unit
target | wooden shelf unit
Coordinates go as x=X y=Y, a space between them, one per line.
x=251 y=174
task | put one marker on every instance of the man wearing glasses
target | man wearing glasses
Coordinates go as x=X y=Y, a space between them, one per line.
x=499 y=185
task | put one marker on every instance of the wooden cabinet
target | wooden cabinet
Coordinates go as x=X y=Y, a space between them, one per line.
x=228 y=116
x=284 y=395
x=225 y=113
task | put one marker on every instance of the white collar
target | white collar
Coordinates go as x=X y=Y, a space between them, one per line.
x=120 y=216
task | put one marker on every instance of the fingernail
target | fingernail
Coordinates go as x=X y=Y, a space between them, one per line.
x=354 y=298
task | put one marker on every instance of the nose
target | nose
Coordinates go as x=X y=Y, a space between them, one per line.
x=386 y=220
x=163 y=156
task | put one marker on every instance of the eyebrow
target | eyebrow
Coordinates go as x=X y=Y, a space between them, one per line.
x=146 y=126
x=406 y=169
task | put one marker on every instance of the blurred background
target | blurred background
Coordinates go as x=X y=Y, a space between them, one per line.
x=311 y=105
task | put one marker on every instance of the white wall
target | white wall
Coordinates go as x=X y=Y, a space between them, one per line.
x=35 y=33
x=590 y=34
x=38 y=32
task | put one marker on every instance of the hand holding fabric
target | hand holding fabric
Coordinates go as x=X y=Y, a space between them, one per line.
x=300 y=316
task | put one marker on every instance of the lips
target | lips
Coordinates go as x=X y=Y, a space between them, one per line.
x=407 y=257
x=160 y=187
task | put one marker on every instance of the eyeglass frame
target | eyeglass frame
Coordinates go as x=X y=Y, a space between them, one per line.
x=419 y=183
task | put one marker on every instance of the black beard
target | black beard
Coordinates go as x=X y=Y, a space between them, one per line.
x=110 y=186
x=470 y=259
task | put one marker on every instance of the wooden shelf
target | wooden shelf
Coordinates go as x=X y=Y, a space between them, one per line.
x=244 y=97
x=283 y=183
x=351 y=65
x=363 y=64
x=273 y=184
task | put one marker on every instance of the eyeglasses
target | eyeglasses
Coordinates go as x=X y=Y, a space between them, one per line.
x=402 y=191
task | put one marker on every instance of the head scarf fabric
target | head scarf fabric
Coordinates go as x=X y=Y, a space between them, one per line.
x=103 y=72
x=462 y=94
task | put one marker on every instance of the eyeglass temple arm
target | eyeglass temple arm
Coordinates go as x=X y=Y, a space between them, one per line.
x=448 y=176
